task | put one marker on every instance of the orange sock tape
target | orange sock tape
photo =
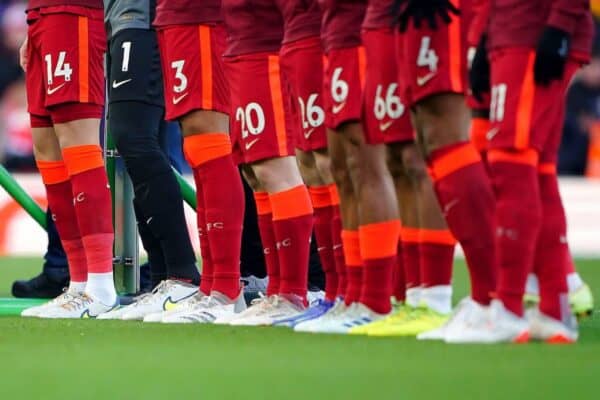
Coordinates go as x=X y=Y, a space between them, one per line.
x=263 y=204
x=320 y=196
x=408 y=234
x=202 y=148
x=351 y=243
x=379 y=240
x=479 y=130
x=456 y=159
x=291 y=203
x=547 y=168
x=436 y=236
x=79 y=159
x=525 y=157
x=335 y=196
x=53 y=172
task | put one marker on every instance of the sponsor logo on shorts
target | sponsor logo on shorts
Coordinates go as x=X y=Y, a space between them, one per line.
x=450 y=205
x=384 y=126
x=492 y=133
x=116 y=84
x=337 y=246
x=53 y=90
x=177 y=100
x=251 y=143
x=308 y=133
x=322 y=248
x=422 y=80
x=338 y=107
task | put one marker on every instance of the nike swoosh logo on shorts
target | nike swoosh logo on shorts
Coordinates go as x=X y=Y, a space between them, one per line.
x=251 y=143
x=116 y=84
x=338 y=107
x=308 y=133
x=491 y=133
x=51 y=91
x=176 y=100
x=384 y=126
x=421 y=80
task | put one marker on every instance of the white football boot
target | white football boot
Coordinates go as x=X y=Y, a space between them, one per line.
x=210 y=308
x=189 y=303
x=334 y=312
x=498 y=326
x=550 y=330
x=42 y=308
x=164 y=297
x=357 y=314
x=468 y=312
x=266 y=311
x=81 y=306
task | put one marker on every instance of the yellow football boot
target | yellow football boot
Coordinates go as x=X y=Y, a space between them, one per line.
x=420 y=319
x=401 y=312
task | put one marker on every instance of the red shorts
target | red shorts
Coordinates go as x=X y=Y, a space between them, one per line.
x=258 y=122
x=65 y=64
x=522 y=114
x=192 y=66
x=302 y=65
x=385 y=116
x=345 y=71
x=433 y=61
x=472 y=102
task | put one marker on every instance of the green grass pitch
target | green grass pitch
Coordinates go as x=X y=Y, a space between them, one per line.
x=121 y=360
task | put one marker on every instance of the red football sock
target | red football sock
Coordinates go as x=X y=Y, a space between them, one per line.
x=378 y=250
x=464 y=190
x=552 y=256
x=267 y=237
x=92 y=200
x=409 y=240
x=321 y=201
x=293 y=226
x=60 y=201
x=436 y=248
x=399 y=291
x=518 y=216
x=338 y=248
x=206 y=278
x=210 y=155
x=354 y=264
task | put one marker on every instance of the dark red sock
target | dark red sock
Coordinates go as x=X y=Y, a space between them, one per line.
x=267 y=237
x=464 y=191
x=552 y=256
x=210 y=156
x=354 y=266
x=379 y=251
x=409 y=240
x=518 y=216
x=92 y=199
x=436 y=251
x=60 y=201
x=206 y=278
x=323 y=215
x=399 y=291
x=293 y=226
x=338 y=251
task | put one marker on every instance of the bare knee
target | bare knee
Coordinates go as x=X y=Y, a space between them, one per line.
x=308 y=168
x=323 y=166
x=201 y=121
x=277 y=174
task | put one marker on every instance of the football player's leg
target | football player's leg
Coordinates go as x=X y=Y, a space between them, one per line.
x=378 y=216
x=208 y=149
x=461 y=184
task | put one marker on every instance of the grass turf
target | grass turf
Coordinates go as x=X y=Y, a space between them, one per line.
x=105 y=359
